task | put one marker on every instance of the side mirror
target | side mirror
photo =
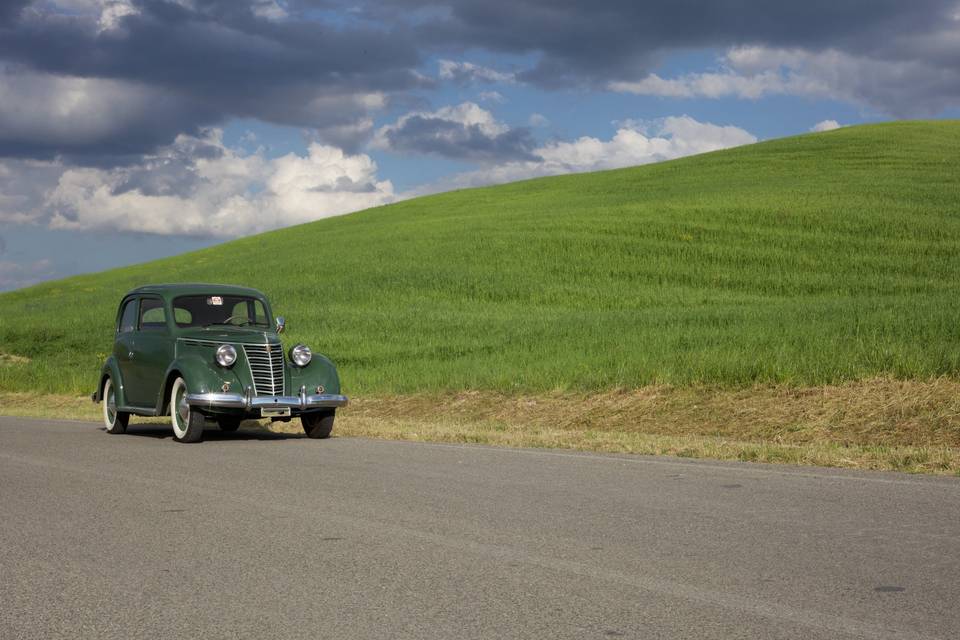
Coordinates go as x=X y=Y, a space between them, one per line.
x=281 y=324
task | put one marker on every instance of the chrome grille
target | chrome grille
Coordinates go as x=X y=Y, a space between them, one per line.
x=266 y=368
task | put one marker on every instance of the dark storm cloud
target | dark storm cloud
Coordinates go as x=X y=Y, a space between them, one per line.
x=204 y=65
x=91 y=121
x=584 y=42
x=901 y=57
x=329 y=65
x=215 y=47
x=10 y=9
x=458 y=140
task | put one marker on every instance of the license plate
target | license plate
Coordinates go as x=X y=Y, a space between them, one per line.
x=271 y=412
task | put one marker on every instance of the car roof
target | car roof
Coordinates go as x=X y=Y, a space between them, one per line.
x=195 y=288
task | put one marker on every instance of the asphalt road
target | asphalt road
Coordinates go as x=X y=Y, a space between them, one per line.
x=259 y=536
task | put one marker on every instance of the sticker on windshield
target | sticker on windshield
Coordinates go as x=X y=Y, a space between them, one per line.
x=216 y=301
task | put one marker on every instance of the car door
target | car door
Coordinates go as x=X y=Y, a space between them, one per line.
x=124 y=345
x=153 y=352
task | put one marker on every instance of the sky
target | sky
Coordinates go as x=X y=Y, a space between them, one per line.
x=136 y=129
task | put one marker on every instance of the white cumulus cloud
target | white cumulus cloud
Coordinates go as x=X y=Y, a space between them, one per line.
x=756 y=72
x=199 y=186
x=492 y=96
x=748 y=72
x=632 y=144
x=538 y=120
x=826 y=125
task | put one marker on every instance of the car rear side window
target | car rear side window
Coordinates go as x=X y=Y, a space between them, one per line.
x=128 y=319
x=152 y=316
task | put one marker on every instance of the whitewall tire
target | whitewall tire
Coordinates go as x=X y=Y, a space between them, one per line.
x=113 y=420
x=187 y=424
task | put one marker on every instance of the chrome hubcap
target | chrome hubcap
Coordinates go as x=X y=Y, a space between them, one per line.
x=111 y=406
x=183 y=409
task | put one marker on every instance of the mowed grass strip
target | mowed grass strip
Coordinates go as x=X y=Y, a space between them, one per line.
x=881 y=424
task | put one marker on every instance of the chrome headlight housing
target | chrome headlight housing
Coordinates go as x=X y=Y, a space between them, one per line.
x=226 y=355
x=301 y=355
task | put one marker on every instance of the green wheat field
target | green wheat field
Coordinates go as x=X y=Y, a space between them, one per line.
x=816 y=259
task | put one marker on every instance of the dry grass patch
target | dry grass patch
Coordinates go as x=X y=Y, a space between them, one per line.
x=882 y=423
x=889 y=424
x=878 y=412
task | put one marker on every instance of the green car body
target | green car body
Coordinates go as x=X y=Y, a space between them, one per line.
x=165 y=363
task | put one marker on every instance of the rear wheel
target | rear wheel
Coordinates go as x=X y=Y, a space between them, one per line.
x=187 y=424
x=318 y=424
x=115 y=421
x=229 y=424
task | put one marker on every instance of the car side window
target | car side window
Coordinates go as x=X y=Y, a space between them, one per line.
x=152 y=315
x=252 y=310
x=182 y=316
x=128 y=319
x=260 y=314
x=240 y=310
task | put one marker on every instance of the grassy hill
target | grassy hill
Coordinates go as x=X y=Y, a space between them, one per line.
x=806 y=260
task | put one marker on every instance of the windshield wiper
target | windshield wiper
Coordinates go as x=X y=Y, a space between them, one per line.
x=227 y=323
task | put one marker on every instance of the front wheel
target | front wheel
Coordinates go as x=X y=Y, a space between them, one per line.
x=187 y=424
x=319 y=424
x=115 y=421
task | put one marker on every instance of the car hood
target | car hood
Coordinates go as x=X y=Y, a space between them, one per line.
x=228 y=334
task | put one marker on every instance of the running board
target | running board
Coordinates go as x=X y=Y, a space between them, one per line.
x=140 y=411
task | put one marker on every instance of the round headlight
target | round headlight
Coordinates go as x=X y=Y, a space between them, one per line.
x=226 y=355
x=301 y=355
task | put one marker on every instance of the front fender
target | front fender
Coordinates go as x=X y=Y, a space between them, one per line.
x=320 y=371
x=200 y=376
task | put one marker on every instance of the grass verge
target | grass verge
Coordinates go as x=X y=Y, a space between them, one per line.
x=883 y=424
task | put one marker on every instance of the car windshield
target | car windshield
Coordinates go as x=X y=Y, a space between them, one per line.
x=210 y=310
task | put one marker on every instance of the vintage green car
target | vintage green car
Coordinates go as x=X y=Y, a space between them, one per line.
x=200 y=352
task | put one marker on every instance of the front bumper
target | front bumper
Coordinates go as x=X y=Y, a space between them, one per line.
x=249 y=402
